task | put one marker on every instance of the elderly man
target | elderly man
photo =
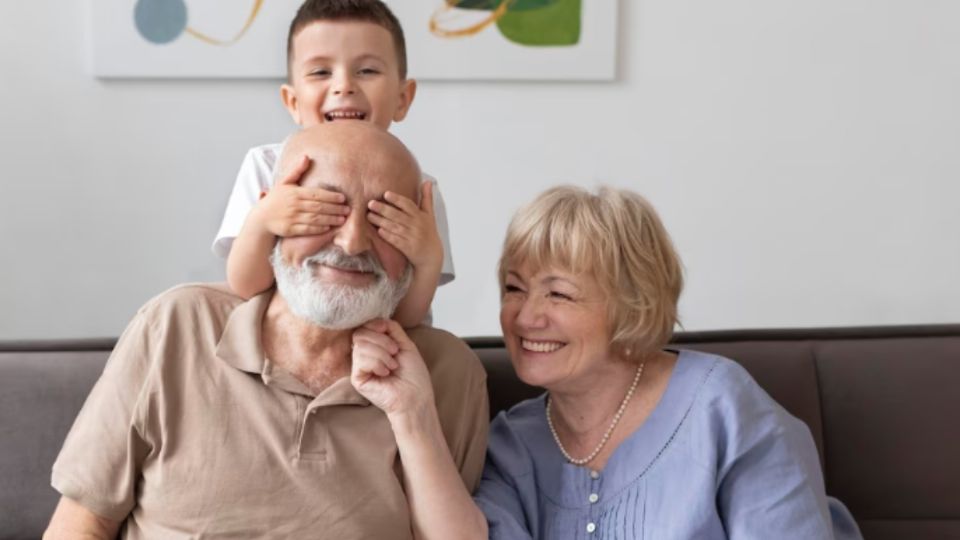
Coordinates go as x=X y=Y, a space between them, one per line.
x=218 y=417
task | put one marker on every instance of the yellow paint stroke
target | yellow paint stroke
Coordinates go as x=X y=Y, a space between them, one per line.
x=469 y=30
x=213 y=41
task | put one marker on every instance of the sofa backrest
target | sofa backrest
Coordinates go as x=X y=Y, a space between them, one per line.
x=880 y=403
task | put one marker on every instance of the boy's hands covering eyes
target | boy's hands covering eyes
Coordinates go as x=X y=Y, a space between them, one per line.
x=410 y=228
x=291 y=210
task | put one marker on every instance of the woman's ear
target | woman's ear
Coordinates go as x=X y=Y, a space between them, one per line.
x=289 y=97
x=408 y=89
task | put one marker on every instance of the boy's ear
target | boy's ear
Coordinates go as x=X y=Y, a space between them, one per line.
x=408 y=89
x=289 y=97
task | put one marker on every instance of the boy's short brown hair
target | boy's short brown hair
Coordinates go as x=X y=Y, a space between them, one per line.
x=372 y=11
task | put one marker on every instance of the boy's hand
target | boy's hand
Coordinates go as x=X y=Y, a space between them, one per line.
x=291 y=210
x=409 y=228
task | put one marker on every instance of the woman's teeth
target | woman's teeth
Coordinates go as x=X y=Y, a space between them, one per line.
x=540 y=346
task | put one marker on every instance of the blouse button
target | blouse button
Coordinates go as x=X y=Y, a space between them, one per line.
x=594 y=475
x=591 y=527
x=593 y=498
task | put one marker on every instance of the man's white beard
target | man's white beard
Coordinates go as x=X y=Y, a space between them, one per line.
x=333 y=305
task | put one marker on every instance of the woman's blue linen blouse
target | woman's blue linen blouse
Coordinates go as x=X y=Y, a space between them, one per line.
x=717 y=458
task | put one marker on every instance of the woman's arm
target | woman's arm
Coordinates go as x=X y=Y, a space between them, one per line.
x=388 y=371
x=770 y=481
x=439 y=503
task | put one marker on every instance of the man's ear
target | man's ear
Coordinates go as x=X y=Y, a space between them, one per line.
x=408 y=89
x=289 y=97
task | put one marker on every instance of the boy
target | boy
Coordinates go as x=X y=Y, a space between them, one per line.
x=346 y=61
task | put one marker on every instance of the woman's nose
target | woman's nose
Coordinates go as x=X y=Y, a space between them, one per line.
x=532 y=314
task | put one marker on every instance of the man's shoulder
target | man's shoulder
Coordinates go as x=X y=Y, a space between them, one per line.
x=448 y=357
x=192 y=300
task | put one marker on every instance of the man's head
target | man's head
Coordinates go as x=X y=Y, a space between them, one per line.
x=348 y=275
x=346 y=60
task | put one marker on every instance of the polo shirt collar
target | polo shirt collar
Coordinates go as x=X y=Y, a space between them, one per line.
x=241 y=347
x=240 y=344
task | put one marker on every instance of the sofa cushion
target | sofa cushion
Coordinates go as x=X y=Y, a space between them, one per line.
x=42 y=391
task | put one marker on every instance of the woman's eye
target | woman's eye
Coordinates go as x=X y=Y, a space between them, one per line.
x=511 y=289
x=556 y=295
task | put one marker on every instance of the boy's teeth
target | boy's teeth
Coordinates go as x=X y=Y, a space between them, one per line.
x=540 y=346
x=345 y=115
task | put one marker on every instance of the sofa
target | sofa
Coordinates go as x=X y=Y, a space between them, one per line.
x=882 y=404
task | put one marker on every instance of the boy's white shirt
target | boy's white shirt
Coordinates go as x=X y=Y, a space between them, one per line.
x=256 y=176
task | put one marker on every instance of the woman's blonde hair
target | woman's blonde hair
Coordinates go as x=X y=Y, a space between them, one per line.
x=615 y=237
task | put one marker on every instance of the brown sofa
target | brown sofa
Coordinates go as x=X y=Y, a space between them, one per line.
x=882 y=404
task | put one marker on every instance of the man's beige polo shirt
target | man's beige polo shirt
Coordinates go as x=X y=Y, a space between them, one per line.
x=191 y=433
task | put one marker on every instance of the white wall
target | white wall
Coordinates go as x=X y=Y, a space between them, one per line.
x=805 y=156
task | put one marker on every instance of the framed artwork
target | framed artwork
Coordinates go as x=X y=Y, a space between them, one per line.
x=446 y=39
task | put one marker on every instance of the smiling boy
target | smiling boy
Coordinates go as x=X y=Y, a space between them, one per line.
x=346 y=62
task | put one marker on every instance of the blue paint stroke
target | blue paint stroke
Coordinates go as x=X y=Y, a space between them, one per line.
x=160 y=21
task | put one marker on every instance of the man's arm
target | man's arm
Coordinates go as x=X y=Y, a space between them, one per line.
x=73 y=521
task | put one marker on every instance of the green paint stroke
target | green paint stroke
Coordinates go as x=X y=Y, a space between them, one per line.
x=542 y=22
x=535 y=22
x=485 y=5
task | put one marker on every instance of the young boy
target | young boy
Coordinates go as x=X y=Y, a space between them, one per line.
x=346 y=61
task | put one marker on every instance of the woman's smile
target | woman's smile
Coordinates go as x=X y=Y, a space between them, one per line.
x=536 y=346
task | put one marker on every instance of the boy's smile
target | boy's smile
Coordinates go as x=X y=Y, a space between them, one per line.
x=346 y=70
x=344 y=114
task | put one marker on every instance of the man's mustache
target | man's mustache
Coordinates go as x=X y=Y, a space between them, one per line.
x=336 y=258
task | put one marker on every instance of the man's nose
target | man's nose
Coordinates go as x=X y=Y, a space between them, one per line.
x=353 y=237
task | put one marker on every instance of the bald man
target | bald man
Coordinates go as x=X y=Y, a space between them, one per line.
x=219 y=417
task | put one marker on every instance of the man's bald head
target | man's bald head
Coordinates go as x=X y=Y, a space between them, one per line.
x=353 y=157
x=350 y=274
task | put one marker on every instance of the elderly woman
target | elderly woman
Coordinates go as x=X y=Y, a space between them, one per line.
x=631 y=440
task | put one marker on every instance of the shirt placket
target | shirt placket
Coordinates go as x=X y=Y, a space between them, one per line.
x=595 y=482
x=314 y=438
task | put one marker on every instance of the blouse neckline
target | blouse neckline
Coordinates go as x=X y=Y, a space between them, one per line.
x=634 y=456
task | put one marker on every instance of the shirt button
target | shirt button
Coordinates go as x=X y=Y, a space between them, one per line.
x=591 y=527
x=593 y=498
x=594 y=475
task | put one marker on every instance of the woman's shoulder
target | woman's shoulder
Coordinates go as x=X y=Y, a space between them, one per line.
x=730 y=403
x=721 y=377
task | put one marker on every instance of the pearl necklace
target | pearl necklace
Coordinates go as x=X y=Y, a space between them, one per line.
x=606 y=436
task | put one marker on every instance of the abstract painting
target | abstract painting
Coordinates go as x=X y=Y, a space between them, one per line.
x=446 y=39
